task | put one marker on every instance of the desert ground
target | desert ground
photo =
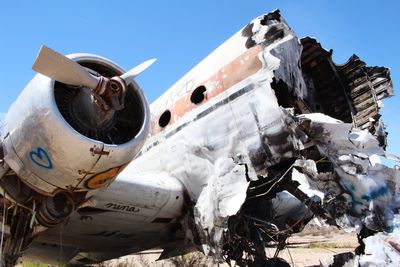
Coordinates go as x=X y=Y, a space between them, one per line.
x=307 y=248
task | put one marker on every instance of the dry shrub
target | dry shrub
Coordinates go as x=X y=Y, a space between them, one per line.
x=195 y=259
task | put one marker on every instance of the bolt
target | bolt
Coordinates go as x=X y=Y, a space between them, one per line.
x=114 y=87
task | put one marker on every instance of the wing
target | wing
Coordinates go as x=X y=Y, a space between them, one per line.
x=135 y=213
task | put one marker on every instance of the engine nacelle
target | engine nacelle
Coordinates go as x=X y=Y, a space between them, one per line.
x=55 y=139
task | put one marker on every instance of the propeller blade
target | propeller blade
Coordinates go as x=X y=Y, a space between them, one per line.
x=60 y=68
x=132 y=73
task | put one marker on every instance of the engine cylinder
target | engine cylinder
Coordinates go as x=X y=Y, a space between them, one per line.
x=54 y=210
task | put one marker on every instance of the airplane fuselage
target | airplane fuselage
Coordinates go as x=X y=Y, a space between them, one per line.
x=235 y=117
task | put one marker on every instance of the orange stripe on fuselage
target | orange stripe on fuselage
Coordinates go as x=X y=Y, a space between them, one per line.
x=234 y=72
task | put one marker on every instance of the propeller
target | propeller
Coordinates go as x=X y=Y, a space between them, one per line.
x=60 y=68
x=63 y=69
x=132 y=73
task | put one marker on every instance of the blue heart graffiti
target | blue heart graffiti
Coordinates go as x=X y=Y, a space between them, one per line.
x=41 y=158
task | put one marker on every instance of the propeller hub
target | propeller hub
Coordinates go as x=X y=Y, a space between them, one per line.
x=112 y=91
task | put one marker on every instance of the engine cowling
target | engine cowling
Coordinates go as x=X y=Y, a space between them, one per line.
x=56 y=138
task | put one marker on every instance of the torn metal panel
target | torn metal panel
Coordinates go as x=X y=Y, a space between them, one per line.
x=307 y=164
x=220 y=198
x=381 y=249
x=372 y=187
x=370 y=191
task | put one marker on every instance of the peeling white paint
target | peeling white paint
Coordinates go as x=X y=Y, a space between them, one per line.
x=382 y=249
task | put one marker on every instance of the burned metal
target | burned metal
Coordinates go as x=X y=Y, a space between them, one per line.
x=306 y=169
x=354 y=83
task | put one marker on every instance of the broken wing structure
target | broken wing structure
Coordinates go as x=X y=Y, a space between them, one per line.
x=260 y=137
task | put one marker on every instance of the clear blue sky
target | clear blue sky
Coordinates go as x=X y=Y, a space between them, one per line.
x=181 y=33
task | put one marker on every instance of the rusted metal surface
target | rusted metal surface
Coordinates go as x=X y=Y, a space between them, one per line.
x=99 y=151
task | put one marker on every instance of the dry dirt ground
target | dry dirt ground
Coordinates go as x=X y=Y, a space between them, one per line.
x=309 y=247
x=304 y=249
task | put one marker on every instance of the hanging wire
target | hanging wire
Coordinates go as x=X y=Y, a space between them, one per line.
x=290 y=255
x=33 y=218
x=273 y=185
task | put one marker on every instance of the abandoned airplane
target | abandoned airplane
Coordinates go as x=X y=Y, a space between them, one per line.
x=263 y=135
